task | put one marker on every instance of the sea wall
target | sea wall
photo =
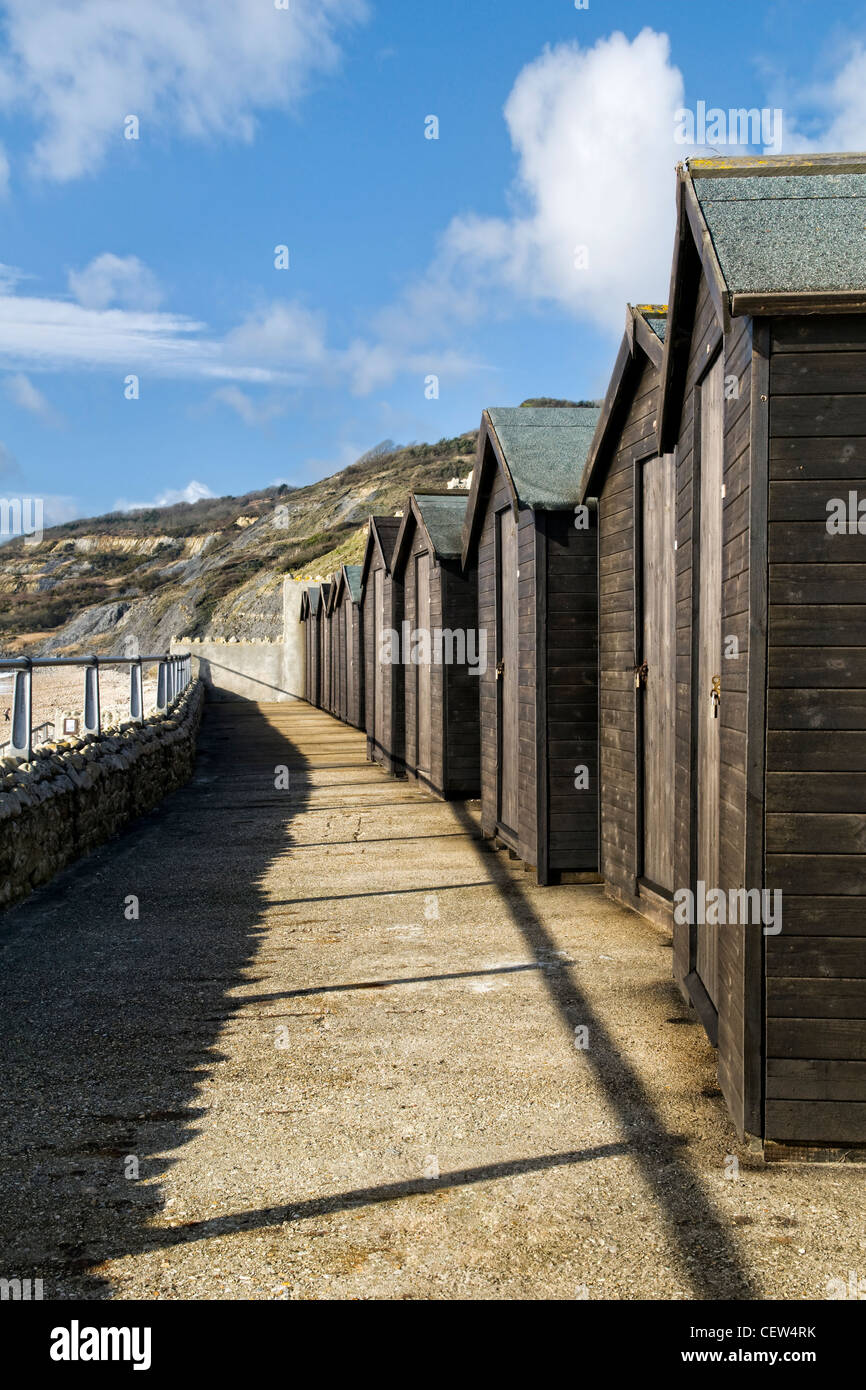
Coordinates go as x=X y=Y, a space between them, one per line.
x=77 y=793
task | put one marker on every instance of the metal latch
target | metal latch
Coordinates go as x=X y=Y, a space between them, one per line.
x=640 y=675
x=716 y=695
x=500 y=667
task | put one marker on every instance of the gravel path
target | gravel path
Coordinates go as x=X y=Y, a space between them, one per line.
x=338 y=1050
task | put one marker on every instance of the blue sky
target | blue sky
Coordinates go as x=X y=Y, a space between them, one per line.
x=304 y=126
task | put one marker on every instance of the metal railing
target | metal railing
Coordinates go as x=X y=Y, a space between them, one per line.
x=174 y=674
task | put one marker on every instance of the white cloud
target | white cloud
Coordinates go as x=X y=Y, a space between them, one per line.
x=193 y=492
x=839 y=106
x=595 y=168
x=20 y=389
x=193 y=68
x=115 y=280
x=279 y=344
x=251 y=412
x=284 y=334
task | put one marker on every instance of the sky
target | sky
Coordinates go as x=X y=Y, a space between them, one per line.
x=155 y=345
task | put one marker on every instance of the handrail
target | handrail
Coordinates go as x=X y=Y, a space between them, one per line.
x=174 y=674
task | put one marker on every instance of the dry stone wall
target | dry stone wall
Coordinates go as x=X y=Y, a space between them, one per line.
x=77 y=793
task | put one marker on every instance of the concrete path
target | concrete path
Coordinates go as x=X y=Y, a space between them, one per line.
x=334 y=1057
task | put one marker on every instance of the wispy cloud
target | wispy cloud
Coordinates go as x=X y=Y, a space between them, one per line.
x=193 y=492
x=194 y=69
x=252 y=412
x=21 y=391
x=122 y=281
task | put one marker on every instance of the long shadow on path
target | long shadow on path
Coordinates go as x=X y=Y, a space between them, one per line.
x=110 y=1025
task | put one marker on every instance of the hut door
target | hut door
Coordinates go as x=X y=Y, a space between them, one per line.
x=507 y=670
x=709 y=652
x=349 y=696
x=422 y=688
x=659 y=673
x=379 y=679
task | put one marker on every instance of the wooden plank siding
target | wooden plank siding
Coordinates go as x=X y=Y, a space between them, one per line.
x=735 y=1023
x=349 y=660
x=454 y=737
x=619 y=852
x=557 y=698
x=816 y=735
x=385 y=731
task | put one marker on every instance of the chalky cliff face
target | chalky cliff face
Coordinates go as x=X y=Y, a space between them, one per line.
x=211 y=569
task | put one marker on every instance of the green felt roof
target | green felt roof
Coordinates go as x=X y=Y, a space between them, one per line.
x=545 y=448
x=353 y=581
x=314 y=596
x=658 y=325
x=443 y=517
x=786 y=232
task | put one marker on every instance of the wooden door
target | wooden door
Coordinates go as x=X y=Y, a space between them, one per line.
x=349 y=706
x=709 y=661
x=658 y=501
x=423 y=710
x=381 y=675
x=507 y=669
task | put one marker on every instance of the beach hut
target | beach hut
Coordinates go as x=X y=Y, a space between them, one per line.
x=310 y=614
x=764 y=404
x=382 y=615
x=633 y=489
x=441 y=653
x=325 y=645
x=350 y=641
x=534 y=550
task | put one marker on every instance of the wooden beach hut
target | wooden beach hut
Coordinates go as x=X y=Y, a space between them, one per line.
x=764 y=404
x=441 y=653
x=534 y=550
x=325 y=645
x=382 y=605
x=634 y=491
x=350 y=646
x=310 y=615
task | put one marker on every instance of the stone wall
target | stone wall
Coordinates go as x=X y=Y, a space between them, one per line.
x=263 y=670
x=77 y=793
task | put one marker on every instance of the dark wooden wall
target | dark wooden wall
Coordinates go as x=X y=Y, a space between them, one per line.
x=353 y=675
x=499 y=497
x=816 y=740
x=454 y=693
x=309 y=661
x=462 y=730
x=618 y=644
x=740 y=859
x=567 y=625
x=405 y=575
x=558 y=685
x=388 y=752
x=314 y=662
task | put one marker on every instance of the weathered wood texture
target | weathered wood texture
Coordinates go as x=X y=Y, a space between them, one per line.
x=557 y=692
x=382 y=609
x=350 y=686
x=736 y=974
x=441 y=700
x=816 y=735
x=621 y=856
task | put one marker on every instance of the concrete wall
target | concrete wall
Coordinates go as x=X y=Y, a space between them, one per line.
x=255 y=670
x=77 y=793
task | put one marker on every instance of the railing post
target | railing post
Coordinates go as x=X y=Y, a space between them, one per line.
x=92 y=723
x=136 y=692
x=161 y=686
x=21 y=745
